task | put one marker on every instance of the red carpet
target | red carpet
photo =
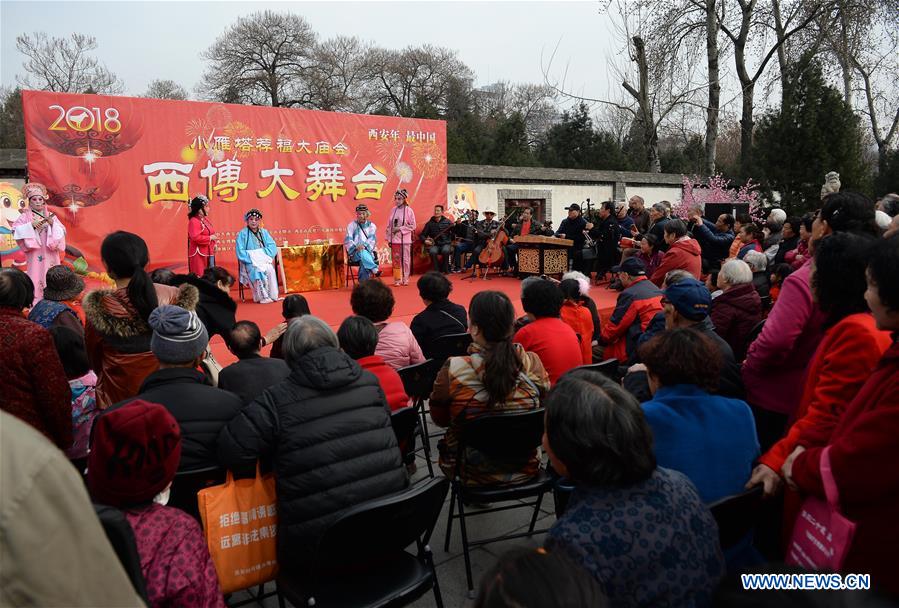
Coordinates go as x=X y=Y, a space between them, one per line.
x=333 y=306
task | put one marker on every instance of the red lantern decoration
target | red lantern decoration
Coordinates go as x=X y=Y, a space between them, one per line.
x=78 y=185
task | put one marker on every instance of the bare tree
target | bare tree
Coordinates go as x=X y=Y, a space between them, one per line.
x=748 y=32
x=655 y=79
x=165 y=89
x=535 y=103
x=266 y=58
x=865 y=43
x=416 y=79
x=64 y=65
x=342 y=75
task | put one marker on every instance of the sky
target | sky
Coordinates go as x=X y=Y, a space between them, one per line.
x=511 y=41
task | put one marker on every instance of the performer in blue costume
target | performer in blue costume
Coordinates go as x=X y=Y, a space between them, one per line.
x=256 y=251
x=360 y=242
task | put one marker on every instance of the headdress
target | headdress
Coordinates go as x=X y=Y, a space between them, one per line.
x=402 y=192
x=252 y=213
x=32 y=188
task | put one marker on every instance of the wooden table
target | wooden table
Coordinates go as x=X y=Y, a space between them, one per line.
x=542 y=254
x=312 y=267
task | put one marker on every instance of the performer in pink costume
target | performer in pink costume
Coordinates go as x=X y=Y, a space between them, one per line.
x=401 y=235
x=40 y=235
x=201 y=237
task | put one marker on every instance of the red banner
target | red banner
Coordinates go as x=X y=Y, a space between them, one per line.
x=125 y=163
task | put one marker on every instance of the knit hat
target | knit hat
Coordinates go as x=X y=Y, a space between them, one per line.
x=62 y=283
x=690 y=298
x=135 y=452
x=178 y=334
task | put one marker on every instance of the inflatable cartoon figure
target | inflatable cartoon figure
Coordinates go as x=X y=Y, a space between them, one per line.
x=11 y=205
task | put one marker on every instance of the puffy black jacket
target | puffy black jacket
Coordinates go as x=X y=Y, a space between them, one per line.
x=216 y=308
x=200 y=409
x=326 y=431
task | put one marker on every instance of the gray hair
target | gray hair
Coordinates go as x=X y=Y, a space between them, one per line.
x=305 y=334
x=660 y=208
x=735 y=272
x=777 y=215
x=676 y=276
x=757 y=260
x=574 y=274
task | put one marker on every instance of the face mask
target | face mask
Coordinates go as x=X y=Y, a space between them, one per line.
x=163 y=497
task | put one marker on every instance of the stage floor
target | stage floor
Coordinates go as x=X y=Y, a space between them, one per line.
x=333 y=306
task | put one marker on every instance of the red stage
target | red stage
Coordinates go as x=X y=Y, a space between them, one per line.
x=333 y=306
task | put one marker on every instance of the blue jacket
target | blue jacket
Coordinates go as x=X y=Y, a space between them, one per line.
x=708 y=438
x=715 y=245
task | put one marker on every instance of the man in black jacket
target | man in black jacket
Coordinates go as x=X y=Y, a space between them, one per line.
x=437 y=239
x=606 y=235
x=658 y=215
x=440 y=317
x=326 y=432
x=179 y=342
x=572 y=228
x=252 y=373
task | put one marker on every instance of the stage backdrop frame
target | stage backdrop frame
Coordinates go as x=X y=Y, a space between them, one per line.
x=126 y=163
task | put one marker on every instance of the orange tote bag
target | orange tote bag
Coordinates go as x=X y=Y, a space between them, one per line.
x=240 y=520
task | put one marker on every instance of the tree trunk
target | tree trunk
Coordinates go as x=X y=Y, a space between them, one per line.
x=746 y=127
x=711 y=123
x=781 y=47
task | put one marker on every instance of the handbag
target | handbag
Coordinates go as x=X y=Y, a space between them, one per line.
x=211 y=367
x=822 y=535
x=240 y=521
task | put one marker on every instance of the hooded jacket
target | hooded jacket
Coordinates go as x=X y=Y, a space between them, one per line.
x=684 y=254
x=637 y=306
x=326 y=431
x=735 y=312
x=118 y=339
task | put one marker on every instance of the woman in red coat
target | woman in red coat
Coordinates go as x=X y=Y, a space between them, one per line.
x=200 y=237
x=845 y=358
x=358 y=338
x=577 y=316
x=864 y=452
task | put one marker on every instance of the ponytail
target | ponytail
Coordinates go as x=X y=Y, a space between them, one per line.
x=142 y=293
x=501 y=369
x=493 y=314
x=125 y=256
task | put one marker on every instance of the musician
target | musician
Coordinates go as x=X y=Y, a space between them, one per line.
x=573 y=228
x=256 y=251
x=606 y=235
x=437 y=240
x=525 y=225
x=464 y=234
x=361 y=241
x=400 y=234
x=483 y=229
x=40 y=235
x=201 y=237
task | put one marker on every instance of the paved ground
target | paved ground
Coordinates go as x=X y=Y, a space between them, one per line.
x=451 y=565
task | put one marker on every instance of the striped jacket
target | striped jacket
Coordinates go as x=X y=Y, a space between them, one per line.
x=459 y=393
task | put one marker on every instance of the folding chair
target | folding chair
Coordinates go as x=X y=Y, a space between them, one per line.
x=406 y=424
x=353 y=275
x=121 y=537
x=609 y=368
x=282 y=284
x=379 y=571
x=450 y=345
x=418 y=380
x=507 y=437
x=736 y=515
x=186 y=484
